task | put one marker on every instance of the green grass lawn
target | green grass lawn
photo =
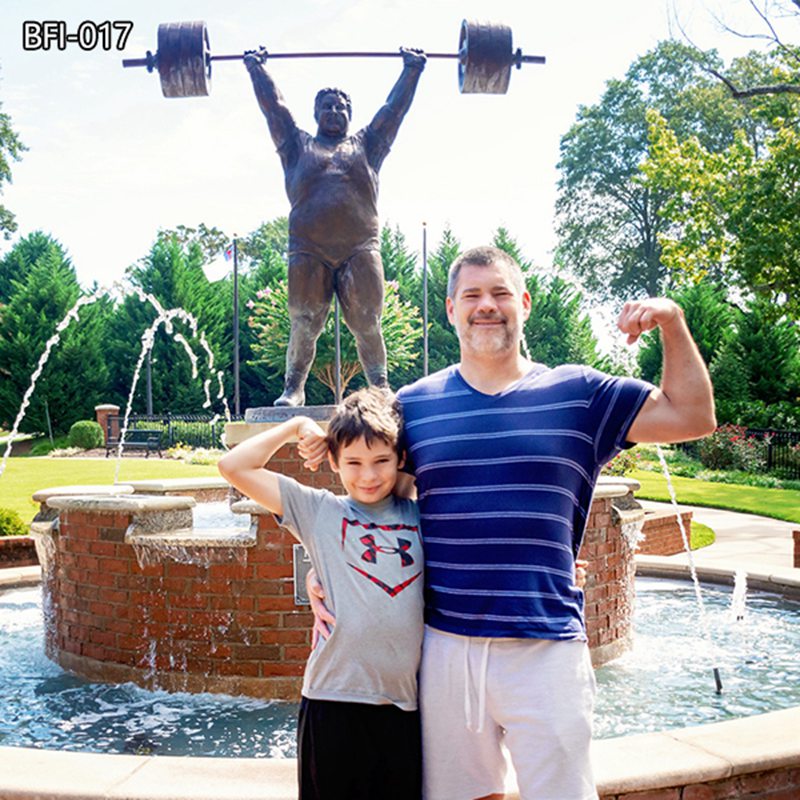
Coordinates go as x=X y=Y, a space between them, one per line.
x=778 y=503
x=24 y=476
x=701 y=535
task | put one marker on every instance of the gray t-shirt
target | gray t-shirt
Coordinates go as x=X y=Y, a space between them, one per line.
x=370 y=561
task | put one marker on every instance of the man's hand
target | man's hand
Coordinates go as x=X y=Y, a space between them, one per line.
x=323 y=619
x=580 y=572
x=255 y=58
x=412 y=57
x=311 y=445
x=640 y=316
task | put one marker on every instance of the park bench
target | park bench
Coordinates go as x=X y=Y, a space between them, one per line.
x=148 y=440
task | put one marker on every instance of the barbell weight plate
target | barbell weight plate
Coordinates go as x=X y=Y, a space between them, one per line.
x=488 y=51
x=184 y=65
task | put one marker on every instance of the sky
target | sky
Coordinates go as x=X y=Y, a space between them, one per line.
x=110 y=161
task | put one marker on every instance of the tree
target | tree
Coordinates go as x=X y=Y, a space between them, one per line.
x=11 y=149
x=771 y=352
x=608 y=220
x=173 y=274
x=401 y=325
x=784 y=79
x=74 y=378
x=211 y=241
x=710 y=319
x=731 y=213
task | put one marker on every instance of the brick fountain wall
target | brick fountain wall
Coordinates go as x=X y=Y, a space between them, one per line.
x=228 y=622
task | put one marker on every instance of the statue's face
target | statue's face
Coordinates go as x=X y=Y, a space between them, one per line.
x=332 y=116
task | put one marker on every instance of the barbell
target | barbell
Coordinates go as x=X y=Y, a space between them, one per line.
x=183 y=58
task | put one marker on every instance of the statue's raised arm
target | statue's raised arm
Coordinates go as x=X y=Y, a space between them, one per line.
x=385 y=124
x=282 y=126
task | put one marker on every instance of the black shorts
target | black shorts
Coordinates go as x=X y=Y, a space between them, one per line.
x=357 y=751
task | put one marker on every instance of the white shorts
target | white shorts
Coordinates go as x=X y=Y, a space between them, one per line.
x=532 y=696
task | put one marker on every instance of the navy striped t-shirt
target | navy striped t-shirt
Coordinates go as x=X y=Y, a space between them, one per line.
x=505 y=484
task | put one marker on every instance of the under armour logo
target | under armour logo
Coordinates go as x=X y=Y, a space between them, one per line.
x=371 y=553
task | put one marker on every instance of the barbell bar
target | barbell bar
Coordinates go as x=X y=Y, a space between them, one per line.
x=183 y=58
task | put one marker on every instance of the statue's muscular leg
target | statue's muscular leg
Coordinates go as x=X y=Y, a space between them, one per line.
x=359 y=286
x=310 y=293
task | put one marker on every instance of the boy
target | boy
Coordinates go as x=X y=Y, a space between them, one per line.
x=358 y=729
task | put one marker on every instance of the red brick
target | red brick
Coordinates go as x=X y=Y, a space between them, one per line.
x=297 y=619
x=270 y=571
x=285 y=636
x=296 y=653
x=283 y=668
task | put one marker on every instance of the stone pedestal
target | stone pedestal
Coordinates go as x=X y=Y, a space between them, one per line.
x=102 y=413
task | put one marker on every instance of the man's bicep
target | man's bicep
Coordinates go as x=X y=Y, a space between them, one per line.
x=657 y=420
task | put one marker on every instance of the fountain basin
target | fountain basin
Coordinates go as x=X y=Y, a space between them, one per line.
x=756 y=757
x=134 y=593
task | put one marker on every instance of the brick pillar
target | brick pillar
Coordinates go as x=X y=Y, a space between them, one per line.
x=796 y=535
x=102 y=413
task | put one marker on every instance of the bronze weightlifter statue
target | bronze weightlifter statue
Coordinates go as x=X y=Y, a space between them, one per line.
x=334 y=234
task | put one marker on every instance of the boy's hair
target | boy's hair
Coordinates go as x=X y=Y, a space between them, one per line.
x=373 y=413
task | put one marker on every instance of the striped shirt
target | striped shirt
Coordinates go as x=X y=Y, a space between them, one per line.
x=505 y=484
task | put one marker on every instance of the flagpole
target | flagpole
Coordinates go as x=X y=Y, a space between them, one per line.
x=236 y=404
x=337 y=333
x=424 y=298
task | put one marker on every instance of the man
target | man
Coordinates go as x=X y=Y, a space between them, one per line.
x=506 y=454
x=332 y=184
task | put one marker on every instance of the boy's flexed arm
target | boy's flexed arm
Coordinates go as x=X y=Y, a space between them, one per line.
x=243 y=467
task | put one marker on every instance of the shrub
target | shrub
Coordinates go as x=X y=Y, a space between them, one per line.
x=11 y=523
x=86 y=434
x=729 y=448
x=45 y=446
x=622 y=464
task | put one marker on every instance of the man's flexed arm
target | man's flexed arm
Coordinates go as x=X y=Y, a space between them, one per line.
x=683 y=406
x=282 y=126
x=386 y=122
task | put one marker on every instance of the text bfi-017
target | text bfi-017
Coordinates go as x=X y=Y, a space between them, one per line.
x=88 y=35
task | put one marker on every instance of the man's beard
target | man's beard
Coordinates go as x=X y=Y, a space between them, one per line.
x=495 y=339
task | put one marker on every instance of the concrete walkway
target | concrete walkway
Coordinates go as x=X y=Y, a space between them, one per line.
x=743 y=541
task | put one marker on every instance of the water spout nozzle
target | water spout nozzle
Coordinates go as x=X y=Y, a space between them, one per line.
x=717 y=680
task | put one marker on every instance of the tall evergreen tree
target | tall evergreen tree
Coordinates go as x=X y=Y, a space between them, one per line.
x=73 y=380
x=11 y=149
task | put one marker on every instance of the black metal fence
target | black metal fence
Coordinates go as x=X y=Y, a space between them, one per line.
x=783 y=451
x=194 y=430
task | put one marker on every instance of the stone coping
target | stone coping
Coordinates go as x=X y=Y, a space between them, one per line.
x=43 y=495
x=639 y=763
x=188 y=537
x=248 y=506
x=177 y=485
x=784 y=581
x=134 y=504
x=276 y=414
x=607 y=490
x=602 y=492
x=632 y=484
x=14 y=577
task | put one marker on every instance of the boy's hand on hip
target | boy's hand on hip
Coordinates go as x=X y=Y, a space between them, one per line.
x=323 y=619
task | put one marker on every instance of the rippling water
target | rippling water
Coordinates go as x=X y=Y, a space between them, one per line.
x=665 y=682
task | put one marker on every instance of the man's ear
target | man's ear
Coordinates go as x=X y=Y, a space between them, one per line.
x=526 y=305
x=450 y=308
x=401 y=461
x=332 y=462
